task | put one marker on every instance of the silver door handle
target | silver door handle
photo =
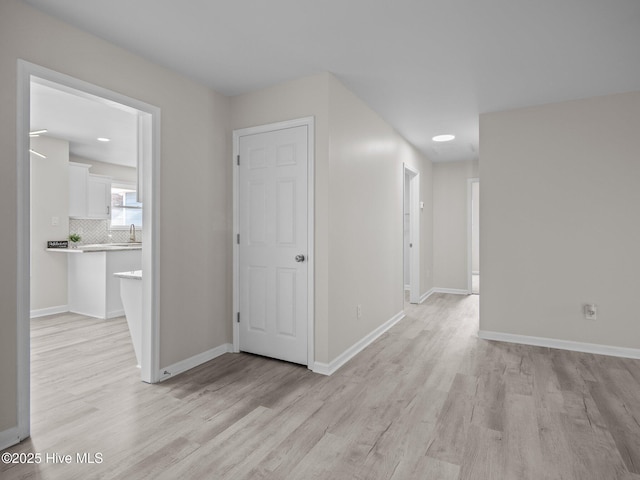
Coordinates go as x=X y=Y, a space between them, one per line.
x=299 y=258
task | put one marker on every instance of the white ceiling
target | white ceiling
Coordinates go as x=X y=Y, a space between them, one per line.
x=81 y=118
x=426 y=66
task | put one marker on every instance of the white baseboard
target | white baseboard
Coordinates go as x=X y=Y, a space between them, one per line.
x=561 y=344
x=453 y=291
x=43 y=312
x=9 y=437
x=426 y=295
x=353 y=350
x=115 y=314
x=474 y=272
x=196 y=360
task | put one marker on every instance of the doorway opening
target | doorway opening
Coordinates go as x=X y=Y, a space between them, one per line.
x=473 y=228
x=33 y=80
x=411 y=234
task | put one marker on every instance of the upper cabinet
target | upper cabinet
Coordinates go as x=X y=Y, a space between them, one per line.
x=89 y=195
x=99 y=197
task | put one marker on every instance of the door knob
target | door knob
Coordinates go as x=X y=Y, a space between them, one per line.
x=299 y=258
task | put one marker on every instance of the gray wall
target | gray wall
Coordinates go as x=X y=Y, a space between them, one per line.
x=358 y=230
x=195 y=302
x=560 y=223
x=450 y=204
x=49 y=198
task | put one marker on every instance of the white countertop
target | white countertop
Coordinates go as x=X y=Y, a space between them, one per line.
x=98 y=247
x=135 y=275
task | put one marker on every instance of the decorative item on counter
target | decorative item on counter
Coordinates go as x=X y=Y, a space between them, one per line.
x=57 y=244
x=74 y=238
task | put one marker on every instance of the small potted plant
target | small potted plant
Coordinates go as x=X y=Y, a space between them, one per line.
x=74 y=238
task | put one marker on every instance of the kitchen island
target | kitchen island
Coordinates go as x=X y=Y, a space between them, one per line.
x=93 y=289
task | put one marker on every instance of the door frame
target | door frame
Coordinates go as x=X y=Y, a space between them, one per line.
x=149 y=165
x=309 y=122
x=414 y=231
x=470 y=182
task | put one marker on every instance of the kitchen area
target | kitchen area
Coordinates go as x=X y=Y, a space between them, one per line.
x=86 y=220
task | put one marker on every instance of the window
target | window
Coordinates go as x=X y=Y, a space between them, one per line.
x=125 y=209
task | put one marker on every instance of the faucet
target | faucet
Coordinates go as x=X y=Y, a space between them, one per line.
x=132 y=233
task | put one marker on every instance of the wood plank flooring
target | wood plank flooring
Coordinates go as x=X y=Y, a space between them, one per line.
x=427 y=400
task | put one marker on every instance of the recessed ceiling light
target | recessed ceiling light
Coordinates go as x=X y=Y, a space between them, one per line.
x=103 y=139
x=36 y=133
x=443 y=138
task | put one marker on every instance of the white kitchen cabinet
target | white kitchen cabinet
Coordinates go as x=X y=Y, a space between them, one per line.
x=98 y=197
x=89 y=195
x=93 y=289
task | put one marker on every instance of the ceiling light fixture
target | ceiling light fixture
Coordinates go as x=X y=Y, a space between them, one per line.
x=36 y=133
x=443 y=138
x=37 y=153
x=103 y=139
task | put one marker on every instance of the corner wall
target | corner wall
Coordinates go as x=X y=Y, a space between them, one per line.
x=560 y=224
x=359 y=181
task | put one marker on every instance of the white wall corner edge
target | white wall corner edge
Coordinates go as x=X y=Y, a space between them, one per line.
x=9 y=437
x=333 y=366
x=561 y=344
x=192 y=362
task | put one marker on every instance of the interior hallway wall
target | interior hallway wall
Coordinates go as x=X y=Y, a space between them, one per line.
x=475 y=228
x=560 y=223
x=195 y=292
x=450 y=237
x=358 y=231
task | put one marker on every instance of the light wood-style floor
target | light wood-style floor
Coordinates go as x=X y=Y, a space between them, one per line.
x=428 y=400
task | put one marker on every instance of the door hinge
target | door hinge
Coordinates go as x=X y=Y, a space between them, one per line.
x=238 y=319
x=238 y=239
x=238 y=160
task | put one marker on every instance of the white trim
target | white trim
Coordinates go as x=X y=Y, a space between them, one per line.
x=195 y=361
x=470 y=182
x=309 y=122
x=475 y=272
x=43 y=312
x=151 y=248
x=561 y=344
x=452 y=291
x=9 y=437
x=331 y=367
x=427 y=294
x=414 y=230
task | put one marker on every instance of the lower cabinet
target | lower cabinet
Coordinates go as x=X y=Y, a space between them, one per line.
x=93 y=290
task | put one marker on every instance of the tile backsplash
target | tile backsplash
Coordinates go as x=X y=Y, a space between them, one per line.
x=97 y=231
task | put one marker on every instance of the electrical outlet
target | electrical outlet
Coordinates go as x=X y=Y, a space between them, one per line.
x=590 y=311
x=55 y=221
x=359 y=311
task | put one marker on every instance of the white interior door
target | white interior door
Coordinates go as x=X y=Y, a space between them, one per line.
x=412 y=243
x=272 y=254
